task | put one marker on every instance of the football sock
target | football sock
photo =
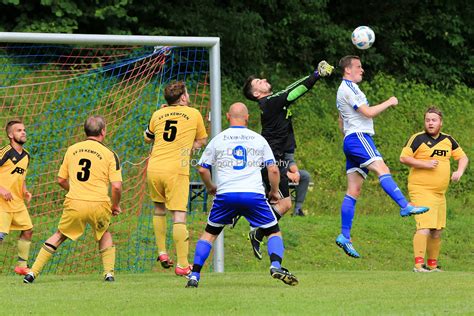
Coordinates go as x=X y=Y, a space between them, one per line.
x=275 y=251
x=45 y=253
x=159 y=226
x=391 y=188
x=108 y=259
x=181 y=240
x=419 y=249
x=347 y=215
x=23 y=251
x=203 y=249
x=433 y=248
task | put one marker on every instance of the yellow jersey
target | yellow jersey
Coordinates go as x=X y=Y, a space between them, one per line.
x=13 y=169
x=90 y=166
x=424 y=147
x=174 y=129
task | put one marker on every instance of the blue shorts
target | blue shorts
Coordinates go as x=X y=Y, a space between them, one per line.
x=360 y=152
x=253 y=206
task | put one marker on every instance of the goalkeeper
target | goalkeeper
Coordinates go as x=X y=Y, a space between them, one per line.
x=277 y=129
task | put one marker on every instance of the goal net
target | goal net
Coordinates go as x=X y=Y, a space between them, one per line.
x=53 y=88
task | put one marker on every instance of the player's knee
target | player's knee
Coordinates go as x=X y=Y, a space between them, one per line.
x=304 y=176
x=284 y=205
x=271 y=230
x=354 y=192
x=2 y=236
x=213 y=230
x=27 y=234
x=435 y=233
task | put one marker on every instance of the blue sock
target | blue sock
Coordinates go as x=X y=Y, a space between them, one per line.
x=275 y=250
x=347 y=215
x=203 y=249
x=391 y=188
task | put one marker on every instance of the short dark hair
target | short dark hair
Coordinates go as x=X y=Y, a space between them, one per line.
x=346 y=62
x=248 y=89
x=435 y=110
x=174 y=91
x=10 y=124
x=94 y=125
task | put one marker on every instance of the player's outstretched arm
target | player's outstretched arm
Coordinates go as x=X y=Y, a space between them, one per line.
x=373 y=111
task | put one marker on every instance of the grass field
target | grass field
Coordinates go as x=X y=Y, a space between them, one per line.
x=244 y=293
x=331 y=283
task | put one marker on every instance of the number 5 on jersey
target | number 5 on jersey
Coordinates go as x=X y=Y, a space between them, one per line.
x=170 y=130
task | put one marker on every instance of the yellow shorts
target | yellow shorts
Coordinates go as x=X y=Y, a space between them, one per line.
x=171 y=189
x=78 y=213
x=435 y=218
x=15 y=221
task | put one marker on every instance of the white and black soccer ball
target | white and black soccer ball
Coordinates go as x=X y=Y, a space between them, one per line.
x=363 y=37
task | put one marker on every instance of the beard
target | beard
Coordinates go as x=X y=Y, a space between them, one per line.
x=433 y=132
x=20 y=140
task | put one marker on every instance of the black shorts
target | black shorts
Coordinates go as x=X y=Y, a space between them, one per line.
x=283 y=187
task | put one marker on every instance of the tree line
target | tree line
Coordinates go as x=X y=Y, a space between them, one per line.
x=429 y=41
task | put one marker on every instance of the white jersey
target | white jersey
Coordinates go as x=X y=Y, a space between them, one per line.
x=238 y=155
x=349 y=99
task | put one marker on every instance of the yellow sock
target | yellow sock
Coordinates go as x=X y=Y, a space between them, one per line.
x=181 y=240
x=108 y=259
x=23 y=251
x=43 y=257
x=433 y=248
x=159 y=226
x=419 y=249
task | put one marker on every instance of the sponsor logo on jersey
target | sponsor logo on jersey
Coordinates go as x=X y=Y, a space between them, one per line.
x=18 y=170
x=439 y=152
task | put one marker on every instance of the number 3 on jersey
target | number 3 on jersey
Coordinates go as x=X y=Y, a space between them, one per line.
x=170 y=130
x=86 y=172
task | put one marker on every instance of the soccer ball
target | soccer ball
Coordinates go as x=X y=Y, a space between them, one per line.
x=363 y=37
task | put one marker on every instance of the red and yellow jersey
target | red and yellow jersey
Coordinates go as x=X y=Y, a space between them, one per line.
x=174 y=129
x=13 y=169
x=90 y=166
x=424 y=147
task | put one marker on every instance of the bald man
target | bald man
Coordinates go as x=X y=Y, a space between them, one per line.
x=237 y=156
x=87 y=169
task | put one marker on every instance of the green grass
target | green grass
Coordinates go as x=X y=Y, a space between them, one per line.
x=244 y=293
x=384 y=242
